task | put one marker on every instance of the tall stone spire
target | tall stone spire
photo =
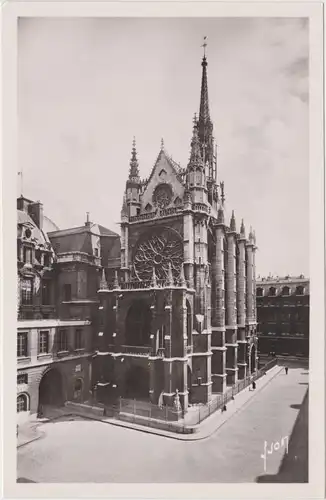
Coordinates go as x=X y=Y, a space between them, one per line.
x=205 y=126
x=134 y=167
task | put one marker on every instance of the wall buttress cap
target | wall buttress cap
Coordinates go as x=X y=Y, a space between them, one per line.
x=232 y=223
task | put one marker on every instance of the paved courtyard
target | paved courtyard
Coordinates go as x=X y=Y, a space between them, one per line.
x=81 y=450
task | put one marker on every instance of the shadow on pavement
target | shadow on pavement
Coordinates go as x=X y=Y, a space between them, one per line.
x=24 y=480
x=294 y=466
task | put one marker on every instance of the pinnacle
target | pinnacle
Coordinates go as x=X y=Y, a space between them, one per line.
x=233 y=223
x=134 y=167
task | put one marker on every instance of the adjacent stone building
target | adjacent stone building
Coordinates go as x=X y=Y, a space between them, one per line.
x=57 y=283
x=180 y=315
x=283 y=315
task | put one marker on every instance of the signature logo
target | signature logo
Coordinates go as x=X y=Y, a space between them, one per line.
x=275 y=447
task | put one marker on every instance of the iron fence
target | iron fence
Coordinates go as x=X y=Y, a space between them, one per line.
x=149 y=414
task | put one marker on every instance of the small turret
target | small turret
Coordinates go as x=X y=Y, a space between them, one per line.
x=116 y=280
x=220 y=216
x=251 y=237
x=170 y=280
x=233 y=226
x=182 y=277
x=154 y=281
x=124 y=209
x=134 y=167
x=133 y=184
x=103 y=282
x=242 y=230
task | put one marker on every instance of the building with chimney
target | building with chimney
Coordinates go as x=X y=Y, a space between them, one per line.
x=180 y=314
x=58 y=276
x=283 y=315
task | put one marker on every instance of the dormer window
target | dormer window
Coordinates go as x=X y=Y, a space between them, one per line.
x=272 y=291
x=299 y=290
x=260 y=292
x=285 y=290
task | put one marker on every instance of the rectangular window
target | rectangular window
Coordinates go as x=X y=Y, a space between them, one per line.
x=22 y=345
x=46 y=293
x=27 y=291
x=43 y=342
x=62 y=340
x=79 y=339
x=46 y=260
x=67 y=292
x=22 y=378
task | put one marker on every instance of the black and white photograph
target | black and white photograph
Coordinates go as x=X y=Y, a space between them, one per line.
x=163 y=235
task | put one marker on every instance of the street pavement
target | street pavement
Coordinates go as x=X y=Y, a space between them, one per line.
x=83 y=450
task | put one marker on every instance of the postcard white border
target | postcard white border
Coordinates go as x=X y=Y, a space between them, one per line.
x=9 y=14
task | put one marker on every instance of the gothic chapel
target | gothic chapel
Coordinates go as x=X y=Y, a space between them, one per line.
x=181 y=312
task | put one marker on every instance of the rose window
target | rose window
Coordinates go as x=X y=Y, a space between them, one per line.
x=158 y=250
x=162 y=195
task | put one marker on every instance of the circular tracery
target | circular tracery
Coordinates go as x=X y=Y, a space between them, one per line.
x=158 y=249
x=162 y=195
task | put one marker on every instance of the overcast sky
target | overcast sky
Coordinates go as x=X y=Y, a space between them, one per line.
x=87 y=86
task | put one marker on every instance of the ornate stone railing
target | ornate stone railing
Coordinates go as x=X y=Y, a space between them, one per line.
x=163 y=212
x=201 y=207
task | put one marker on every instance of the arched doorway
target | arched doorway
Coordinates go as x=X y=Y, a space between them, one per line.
x=253 y=359
x=78 y=390
x=137 y=383
x=189 y=323
x=138 y=324
x=51 y=389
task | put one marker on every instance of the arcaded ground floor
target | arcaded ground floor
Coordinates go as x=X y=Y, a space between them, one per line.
x=81 y=450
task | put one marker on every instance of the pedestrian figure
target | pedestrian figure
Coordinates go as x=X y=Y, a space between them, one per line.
x=253 y=385
x=224 y=408
x=286 y=370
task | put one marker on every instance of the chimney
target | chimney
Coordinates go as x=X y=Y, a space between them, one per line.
x=35 y=210
x=88 y=222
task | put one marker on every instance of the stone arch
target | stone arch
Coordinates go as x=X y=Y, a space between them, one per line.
x=138 y=323
x=51 y=388
x=23 y=402
x=137 y=383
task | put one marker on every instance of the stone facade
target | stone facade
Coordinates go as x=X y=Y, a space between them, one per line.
x=283 y=315
x=180 y=315
x=58 y=276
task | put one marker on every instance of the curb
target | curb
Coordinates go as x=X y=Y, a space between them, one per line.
x=172 y=435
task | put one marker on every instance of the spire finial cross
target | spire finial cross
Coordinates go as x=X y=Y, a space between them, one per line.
x=205 y=45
